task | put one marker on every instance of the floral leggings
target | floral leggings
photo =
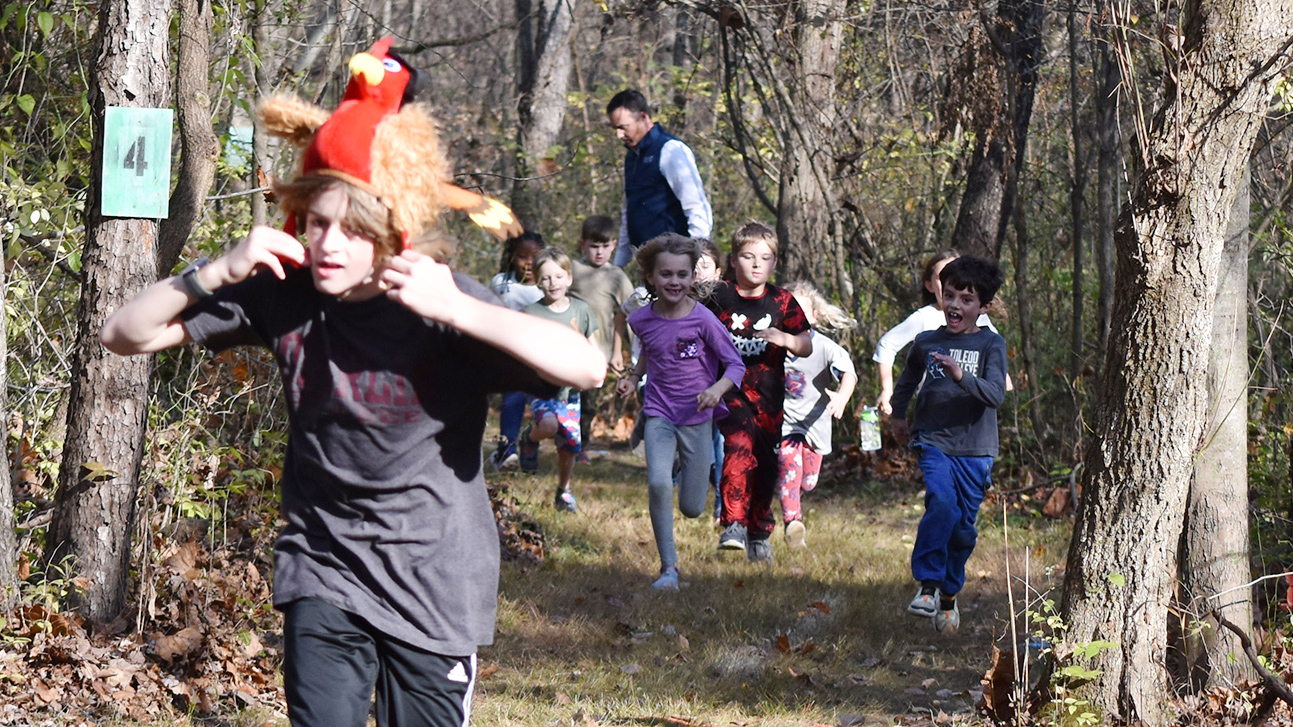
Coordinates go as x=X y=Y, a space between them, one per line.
x=799 y=467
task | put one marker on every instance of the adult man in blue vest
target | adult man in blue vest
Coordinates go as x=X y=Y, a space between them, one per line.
x=662 y=187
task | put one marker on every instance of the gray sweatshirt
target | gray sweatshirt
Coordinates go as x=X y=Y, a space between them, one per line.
x=958 y=418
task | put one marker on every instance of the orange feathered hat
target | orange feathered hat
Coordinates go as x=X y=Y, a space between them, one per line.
x=379 y=141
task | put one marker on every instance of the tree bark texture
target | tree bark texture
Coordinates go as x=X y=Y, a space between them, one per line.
x=543 y=75
x=812 y=241
x=94 y=506
x=1152 y=409
x=8 y=538
x=1000 y=114
x=1108 y=141
x=199 y=147
x=1216 y=521
x=266 y=53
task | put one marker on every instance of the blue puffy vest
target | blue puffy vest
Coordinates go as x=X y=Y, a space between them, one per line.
x=652 y=208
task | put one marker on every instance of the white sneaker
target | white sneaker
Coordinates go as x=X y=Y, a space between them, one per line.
x=947 y=621
x=796 y=534
x=925 y=603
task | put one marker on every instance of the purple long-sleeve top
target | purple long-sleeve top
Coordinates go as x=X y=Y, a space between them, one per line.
x=684 y=356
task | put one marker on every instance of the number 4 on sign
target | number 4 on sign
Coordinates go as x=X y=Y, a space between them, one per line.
x=136 y=172
x=136 y=158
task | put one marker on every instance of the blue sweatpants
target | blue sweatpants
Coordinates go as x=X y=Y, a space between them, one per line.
x=954 y=489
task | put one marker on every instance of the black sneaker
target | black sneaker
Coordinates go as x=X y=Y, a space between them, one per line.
x=733 y=538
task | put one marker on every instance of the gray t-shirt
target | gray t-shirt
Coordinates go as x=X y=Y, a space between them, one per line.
x=387 y=513
x=807 y=379
x=959 y=419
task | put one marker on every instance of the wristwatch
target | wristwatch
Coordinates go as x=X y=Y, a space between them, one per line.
x=189 y=277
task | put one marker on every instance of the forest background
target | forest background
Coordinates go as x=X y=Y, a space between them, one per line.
x=871 y=134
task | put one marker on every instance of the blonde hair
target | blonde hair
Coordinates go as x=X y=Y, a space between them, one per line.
x=551 y=254
x=751 y=233
x=366 y=216
x=828 y=314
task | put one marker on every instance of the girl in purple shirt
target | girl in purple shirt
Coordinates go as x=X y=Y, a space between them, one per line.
x=683 y=348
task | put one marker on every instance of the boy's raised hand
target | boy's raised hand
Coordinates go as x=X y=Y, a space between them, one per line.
x=262 y=248
x=949 y=365
x=422 y=285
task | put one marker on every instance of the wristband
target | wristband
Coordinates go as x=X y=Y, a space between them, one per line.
x=189 y=278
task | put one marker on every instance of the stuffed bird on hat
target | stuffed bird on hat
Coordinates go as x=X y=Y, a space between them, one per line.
x=381 y=142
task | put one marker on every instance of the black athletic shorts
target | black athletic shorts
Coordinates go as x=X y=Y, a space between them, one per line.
x=335 y=661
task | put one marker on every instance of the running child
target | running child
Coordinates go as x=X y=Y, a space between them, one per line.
x=604 y=286
x=683 y=349
x=709 y=267
x=960 y=370
x=765 y=323
x=514 y=285
x=811 y=403
x=928 y=317
x=387 y=566
x=557 y=418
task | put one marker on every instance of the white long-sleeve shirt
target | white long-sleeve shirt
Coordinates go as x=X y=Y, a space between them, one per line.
x=678 y=165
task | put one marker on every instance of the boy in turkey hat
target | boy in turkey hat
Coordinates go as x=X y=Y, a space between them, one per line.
x=387 y=569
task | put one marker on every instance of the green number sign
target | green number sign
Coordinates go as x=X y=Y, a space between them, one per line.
x=136 y=162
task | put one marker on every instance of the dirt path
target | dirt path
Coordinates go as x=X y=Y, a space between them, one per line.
x=820 y=637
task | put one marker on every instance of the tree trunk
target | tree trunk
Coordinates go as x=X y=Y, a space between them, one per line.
x=1077 y=195
x=1027 y=349
x=1216 y=521
x=1109 y=138
x=805 y=225
x=94 y=506
x=198 y=143
x=987 y=204
x=1152 y=411
x=8 y=538
x=544 y=62
x=261 y=86
x=979 y=218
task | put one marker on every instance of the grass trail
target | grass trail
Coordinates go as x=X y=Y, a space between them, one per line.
x=819 y=637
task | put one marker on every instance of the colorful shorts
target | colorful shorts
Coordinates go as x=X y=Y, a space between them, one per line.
x=567 y=414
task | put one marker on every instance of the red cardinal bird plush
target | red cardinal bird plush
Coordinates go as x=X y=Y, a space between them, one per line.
x=377 y=140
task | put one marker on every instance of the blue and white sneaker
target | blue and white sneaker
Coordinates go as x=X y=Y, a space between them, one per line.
x=565 y=502
x=925 y=602
x=504 y=456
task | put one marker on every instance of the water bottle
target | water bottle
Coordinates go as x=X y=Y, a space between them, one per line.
x=869 y=429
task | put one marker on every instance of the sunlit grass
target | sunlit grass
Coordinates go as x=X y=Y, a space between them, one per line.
x=819 y=635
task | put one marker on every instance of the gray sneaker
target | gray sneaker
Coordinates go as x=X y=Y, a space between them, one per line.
x=948 y=621
x=733 y=538
x=925 y=602
x=760 y=551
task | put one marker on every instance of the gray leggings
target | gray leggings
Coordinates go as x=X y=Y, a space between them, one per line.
x=695 y=446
